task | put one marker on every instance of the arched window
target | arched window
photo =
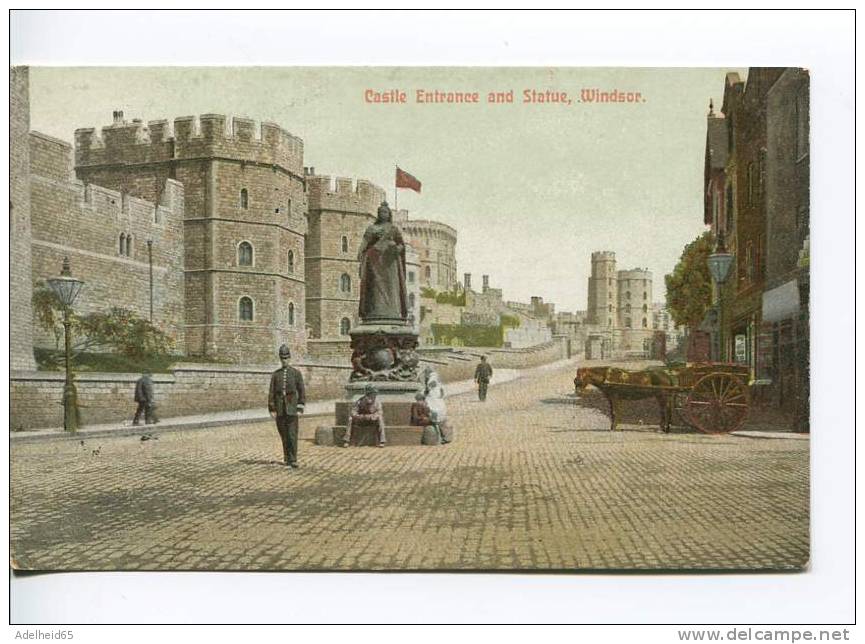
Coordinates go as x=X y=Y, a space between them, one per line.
x=610 y=308
x=291 y=261
x=344 y=244
x=129 y=245
x=427 y=273
x=627 y=308
x=344 y=326
x=122 y=243
x=628 y=322
x=244 y=309
x=244 y=254
x=627 y=295
x=645 y=309
x=645 y=295
x=645 y=323
x=244 y=199
x=411 y=300
x=291 y=313
x=345 y=283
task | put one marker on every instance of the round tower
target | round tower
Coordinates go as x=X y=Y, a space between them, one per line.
x=635 y=299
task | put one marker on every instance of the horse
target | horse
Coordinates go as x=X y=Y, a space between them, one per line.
x=618 y=384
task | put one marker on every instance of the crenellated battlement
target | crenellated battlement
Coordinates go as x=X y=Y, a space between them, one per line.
x=343 y=194
x=603 y=256
x=635 y=274
x=189 y=137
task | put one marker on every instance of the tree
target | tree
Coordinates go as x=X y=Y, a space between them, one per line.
x=689 y=286
x=119 y=330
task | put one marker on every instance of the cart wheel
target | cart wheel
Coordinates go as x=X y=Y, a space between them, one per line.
x=717 y=404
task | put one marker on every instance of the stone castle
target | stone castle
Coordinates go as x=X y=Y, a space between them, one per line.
x=212 y=227
x=619 y=314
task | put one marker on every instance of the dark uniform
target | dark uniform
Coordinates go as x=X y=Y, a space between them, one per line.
x=144 y=398
x=287 y=399
x=483 y=374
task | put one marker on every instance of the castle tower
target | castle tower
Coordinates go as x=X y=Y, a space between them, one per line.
x=339 y=213
x=244 y=224
x=436 y=246
x=20 y=236
x=635 y=299
x=603 y=287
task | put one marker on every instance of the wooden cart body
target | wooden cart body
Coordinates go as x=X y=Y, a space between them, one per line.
x=712 y=397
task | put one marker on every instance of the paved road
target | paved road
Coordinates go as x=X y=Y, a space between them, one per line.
x=534 y=480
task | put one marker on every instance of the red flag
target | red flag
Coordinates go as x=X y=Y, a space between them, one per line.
x=405 y=180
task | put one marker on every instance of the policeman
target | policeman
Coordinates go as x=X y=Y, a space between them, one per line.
x=286 y=400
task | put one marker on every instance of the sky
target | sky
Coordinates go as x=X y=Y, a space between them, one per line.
x=532 y=188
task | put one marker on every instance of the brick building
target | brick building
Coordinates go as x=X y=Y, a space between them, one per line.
x=784 y=345
x=745 y=112
x=244 y=225
x=757 y=195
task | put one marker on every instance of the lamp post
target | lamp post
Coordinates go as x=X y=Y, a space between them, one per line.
x=67 y=288
x=719 y=267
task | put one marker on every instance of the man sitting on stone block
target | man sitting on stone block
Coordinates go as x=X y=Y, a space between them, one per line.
x=366 y=410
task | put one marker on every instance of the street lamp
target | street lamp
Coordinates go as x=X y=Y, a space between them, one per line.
x=67 y=288
x=719 y=266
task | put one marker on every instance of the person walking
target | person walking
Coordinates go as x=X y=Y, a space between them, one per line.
x=145 y=399
x=483 y=375
x=285 y=402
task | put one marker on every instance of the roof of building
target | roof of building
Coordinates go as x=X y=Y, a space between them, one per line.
x=716 y=142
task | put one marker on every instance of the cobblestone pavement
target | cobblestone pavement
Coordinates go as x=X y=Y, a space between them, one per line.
x=534 y=481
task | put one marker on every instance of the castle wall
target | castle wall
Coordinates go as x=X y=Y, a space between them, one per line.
x=241 y=185
x=197 y=389
x=338 y=208
x=20 y=232
x=85 y=224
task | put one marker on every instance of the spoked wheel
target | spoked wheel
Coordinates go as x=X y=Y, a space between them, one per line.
x=718 y=404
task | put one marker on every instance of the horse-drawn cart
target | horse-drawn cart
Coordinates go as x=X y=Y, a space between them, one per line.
x=711 y=397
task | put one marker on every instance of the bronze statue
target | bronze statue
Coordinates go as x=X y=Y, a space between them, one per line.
x=383 y=295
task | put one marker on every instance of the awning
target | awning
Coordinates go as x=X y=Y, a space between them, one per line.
x=781 y=303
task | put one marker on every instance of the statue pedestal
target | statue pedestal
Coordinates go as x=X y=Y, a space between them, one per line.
x=384 y=355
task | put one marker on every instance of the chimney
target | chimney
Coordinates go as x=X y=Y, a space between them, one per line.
x=118 y=117
x=486 y=279
x=467 y=281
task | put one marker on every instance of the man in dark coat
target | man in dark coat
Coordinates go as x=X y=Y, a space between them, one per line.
x=483 y=374
x=286 y=401
x=144 y=398
x=366 y=410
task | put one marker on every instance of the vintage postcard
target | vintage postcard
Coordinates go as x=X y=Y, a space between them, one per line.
x=409 y=319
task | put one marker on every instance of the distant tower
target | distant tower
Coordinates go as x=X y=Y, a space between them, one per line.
x=602 y=307
x=635 y=299
x=436 y=244
x=244 y=227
